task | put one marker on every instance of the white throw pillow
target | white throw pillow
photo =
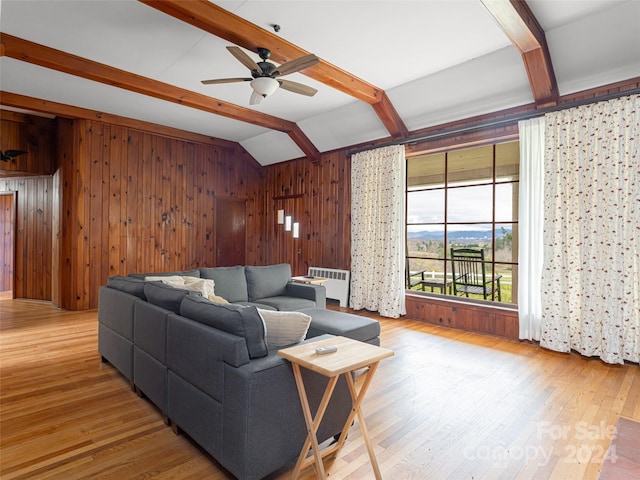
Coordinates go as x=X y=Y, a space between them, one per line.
x=217 y=299
x=173 y=280
x=284 y=328
x=203 y=285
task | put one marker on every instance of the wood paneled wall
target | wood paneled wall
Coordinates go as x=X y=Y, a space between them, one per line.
x=34 y=135
x=133 y=201
x=318 y=196
x=464 y=316
x=33 y=235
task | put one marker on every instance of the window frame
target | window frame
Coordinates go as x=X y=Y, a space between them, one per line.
x=445 y=224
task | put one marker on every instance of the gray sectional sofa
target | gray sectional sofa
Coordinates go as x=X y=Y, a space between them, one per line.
x=207 y=365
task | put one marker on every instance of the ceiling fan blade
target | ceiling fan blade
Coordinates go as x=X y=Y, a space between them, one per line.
x=244 y=59
x=225 y=80
x=296 y=87
x=297 y=64
x=255 y=99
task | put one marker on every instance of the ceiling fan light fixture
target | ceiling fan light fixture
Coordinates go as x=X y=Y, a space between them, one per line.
x=264 y=86
x=255 y=99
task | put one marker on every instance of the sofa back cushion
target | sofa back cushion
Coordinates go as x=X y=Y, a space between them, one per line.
x=165 y=296
x=230 y=282
x=267 y=281
x=134 y=286
x=239 y=320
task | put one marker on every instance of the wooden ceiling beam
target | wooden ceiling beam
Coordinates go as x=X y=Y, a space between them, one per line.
x=43 y=56
x=524 y=31
x=223 y=24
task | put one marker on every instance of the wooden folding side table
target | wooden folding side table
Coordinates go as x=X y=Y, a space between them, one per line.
x=351 y=355
x=309 y=279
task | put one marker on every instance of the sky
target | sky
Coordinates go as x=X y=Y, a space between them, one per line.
x=468 y=204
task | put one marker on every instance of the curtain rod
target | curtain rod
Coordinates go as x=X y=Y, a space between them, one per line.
x=498 y=122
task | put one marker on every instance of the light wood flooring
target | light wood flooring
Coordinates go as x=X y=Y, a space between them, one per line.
x=449 y=405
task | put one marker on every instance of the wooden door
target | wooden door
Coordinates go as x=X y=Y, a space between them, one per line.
x=230 y=232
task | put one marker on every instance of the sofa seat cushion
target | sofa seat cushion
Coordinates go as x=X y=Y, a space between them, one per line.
x=230 y=282
x=239 y=320
x=267 y=281
x=287 y=304
x=342 y=324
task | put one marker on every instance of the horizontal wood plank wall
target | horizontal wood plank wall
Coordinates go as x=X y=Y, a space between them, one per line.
x=318 y=197
x=34 y=135
x=33 y=235
x=133 y=201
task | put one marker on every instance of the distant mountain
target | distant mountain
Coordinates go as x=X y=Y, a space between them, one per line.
x=461 y=235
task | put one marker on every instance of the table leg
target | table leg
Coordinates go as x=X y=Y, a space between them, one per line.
x=312 y=424
x=357 y=398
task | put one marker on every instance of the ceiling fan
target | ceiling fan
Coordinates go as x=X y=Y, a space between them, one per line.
x=265 y=75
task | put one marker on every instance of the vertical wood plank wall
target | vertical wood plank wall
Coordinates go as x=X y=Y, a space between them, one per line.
x=27 y=178
x=134 y=201
x=33 y=235
x=33 y=135
x=318 y=197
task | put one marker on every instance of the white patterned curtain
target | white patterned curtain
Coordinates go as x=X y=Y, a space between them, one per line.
x=591 y=272
x=378 y=182
x=530 y=226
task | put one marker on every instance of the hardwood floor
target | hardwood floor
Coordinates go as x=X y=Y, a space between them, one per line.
x=448 y=405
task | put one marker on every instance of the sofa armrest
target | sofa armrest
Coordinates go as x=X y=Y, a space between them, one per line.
x=263 y=423
x=317 y=293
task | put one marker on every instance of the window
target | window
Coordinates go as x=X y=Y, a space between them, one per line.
x=464 y=199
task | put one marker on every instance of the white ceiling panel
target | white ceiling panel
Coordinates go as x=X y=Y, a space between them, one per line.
x=386 y=43
x=125 y=34
x=344 y=126
x=272 y=147
x=33 y=81
x=486 y=84
x=552 y=14
x=581 y=58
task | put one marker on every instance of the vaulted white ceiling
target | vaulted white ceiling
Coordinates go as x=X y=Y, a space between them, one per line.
x=437 y=61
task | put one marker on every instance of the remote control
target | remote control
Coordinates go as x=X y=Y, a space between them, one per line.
x=327 y=349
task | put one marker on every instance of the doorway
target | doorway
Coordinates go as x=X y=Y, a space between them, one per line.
x=7 y=249
x=230 y=235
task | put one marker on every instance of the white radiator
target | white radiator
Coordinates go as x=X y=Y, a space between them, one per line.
x=337 y=284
